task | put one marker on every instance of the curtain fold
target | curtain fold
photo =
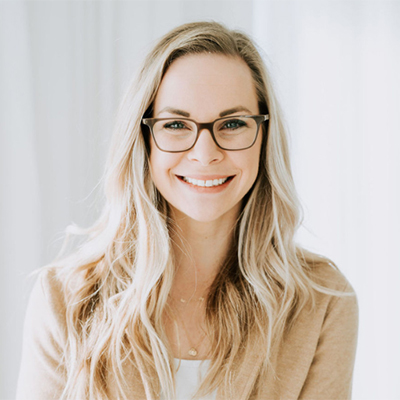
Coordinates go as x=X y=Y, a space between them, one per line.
x=20 y=200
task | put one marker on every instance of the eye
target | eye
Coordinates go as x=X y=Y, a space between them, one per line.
x=174 y=125
x=233 y=124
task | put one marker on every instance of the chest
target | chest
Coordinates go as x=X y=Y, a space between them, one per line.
x=187 y=334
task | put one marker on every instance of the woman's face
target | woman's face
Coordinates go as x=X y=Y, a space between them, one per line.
x=202 y=87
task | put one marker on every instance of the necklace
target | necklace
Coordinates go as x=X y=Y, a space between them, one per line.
x=193 y=351
x=185 y=301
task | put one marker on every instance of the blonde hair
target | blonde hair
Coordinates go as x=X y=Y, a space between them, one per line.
x=116 y=284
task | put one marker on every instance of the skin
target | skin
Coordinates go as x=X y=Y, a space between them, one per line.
x=203 y=86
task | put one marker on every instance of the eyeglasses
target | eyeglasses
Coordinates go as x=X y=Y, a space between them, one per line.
x=176 y=135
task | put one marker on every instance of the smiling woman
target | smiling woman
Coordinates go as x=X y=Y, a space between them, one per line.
x=191 y=284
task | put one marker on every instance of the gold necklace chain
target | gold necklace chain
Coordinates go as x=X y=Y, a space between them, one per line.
x=185 y=301
x=193 y=351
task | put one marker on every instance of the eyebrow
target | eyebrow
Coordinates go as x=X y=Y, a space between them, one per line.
x=233 y=110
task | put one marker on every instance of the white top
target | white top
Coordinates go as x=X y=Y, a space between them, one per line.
x=188 y=379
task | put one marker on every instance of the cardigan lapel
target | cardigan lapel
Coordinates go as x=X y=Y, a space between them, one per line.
x=135 y=387
x=285 y=359
x=242 y=384
x=244 y=378
x=241 y=387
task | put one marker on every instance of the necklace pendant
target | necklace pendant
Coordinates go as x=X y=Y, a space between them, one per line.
x=193 y=352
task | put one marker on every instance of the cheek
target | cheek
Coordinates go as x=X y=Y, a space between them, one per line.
x=160 y=161
x=161 y=164
x=252 y=161
x=156 y=169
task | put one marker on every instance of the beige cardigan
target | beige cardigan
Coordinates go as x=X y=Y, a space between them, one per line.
x=315 y=361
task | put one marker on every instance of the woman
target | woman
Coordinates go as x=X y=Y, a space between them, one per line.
x=191 y=282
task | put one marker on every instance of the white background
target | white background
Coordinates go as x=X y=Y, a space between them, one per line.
x=64 y=66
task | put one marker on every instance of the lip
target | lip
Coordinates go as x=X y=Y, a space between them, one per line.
x=206 y=189
x=205 y=177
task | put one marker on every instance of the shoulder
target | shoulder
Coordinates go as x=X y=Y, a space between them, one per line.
x=335 y=304
x=333 y=318
x=49 y=288
x=333 y=339
x=333 y=294
x=318 y=351
x=339 y=298
x=47 y=306
x=42 y=372
x=329 y=275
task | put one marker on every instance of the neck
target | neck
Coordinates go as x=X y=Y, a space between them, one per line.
x=200 y=249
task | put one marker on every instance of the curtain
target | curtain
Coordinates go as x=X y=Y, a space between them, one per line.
x=337 y=67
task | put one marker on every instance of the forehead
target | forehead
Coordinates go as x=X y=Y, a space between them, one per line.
x=206 y=84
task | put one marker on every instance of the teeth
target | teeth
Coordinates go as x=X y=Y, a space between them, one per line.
x=210 y=183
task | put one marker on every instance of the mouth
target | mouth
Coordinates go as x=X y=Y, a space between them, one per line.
x=206 y=183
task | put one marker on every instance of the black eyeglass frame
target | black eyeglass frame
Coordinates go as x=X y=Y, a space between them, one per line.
x=204 y=125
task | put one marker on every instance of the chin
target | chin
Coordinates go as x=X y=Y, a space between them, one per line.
x=203 y=218
x=204 y=214
x=200 y=216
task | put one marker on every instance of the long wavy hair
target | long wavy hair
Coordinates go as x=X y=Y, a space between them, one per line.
x=116 y=283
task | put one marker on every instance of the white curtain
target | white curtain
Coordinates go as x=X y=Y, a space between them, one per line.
x=64 y=66
x=337 y=67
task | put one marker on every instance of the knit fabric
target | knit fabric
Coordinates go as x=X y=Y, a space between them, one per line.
x=314 y=361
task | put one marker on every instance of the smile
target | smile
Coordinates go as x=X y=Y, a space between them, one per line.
x=211 y=183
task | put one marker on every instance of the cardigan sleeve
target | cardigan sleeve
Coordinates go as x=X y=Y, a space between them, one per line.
x=331 y=371
x=42 y=374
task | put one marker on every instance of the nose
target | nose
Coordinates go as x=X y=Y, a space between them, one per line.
x=205 y=151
